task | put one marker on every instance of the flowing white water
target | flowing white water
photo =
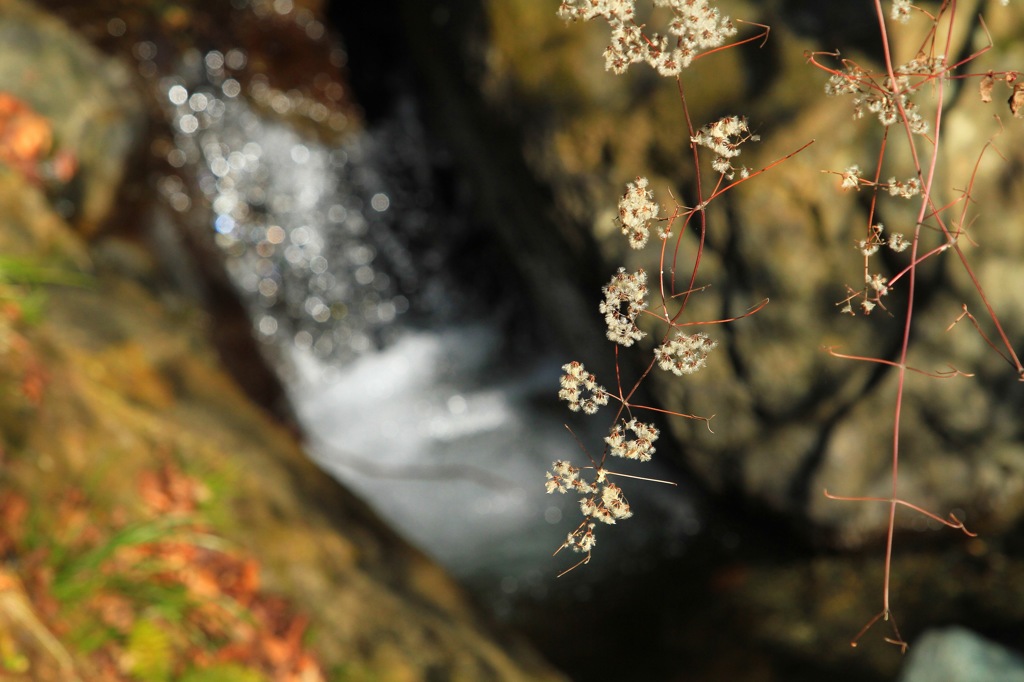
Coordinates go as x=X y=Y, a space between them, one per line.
x=441 y=442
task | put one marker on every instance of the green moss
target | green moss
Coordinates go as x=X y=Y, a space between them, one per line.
x=150 y=652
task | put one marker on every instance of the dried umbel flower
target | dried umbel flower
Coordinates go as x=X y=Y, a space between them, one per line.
x=878 y=283
x=906 y=190
x=582 y=539
x=564 y=477
x=639 y=448
x=625 y=297
x=636 y=211
x=868 y=247
x=900 y=11
x=580 y=389
x=883 y=100
x=724 y=138
x=685 y=354
x=851 y=178
x=695 y=26
x=898 y=243
x=612 y=505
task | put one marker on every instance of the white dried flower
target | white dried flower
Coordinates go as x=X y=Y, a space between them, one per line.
x=724 y=137
x=721 y=165
x=851 y=178
x=582 y=539
x=905 y=190
x=867 y=247
x=615 y=502
x=900 y=11
x=670 y=63
x=625 y=297
x=611 y=507
x=878 y=283
x=586 y=541
x=564 y=477
x=843 y=83
x=580 y=389
x=588 y=507
x=637 y=209
x=685 y=354
x=898 y=243
x=640 y=448
x=584 y=10
x=923 y=64
x=881 y=101
x=694 y=27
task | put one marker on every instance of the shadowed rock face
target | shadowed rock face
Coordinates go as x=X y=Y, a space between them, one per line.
x=791 y=420
x=116 y=377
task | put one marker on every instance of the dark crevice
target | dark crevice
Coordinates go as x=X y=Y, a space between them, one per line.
x=846 y=26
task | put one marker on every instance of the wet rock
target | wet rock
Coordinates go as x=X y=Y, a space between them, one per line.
x=88 y=99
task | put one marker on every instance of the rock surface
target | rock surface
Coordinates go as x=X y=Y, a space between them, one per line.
x=95 y=115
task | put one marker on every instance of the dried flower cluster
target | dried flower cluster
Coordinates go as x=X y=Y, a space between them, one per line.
x=875 y=285
x=694 y=27
x=625 y=297
x=869 y=247
x=891 y=95
x=685 y=354
x=564 y=477
x=724 y=138
x=640 y=448
x=637 y=209
x=606 y=505
x=580 y=389
x=605 y=502
x=851 y=177
x=905 y=189
x=886 y=100
x=612 y=505
x=900 y=11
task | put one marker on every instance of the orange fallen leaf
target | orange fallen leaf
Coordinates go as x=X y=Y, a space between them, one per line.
x=25 y=136
x=168 y=490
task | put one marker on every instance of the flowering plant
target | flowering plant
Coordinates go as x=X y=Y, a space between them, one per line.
x=651 y=311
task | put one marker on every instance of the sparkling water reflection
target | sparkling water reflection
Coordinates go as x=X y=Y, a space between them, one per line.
x=289 y=213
